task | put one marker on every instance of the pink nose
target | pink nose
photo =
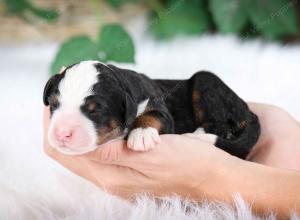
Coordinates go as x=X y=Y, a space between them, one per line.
x=64 y=134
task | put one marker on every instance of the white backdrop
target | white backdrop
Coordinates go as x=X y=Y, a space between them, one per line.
x=32 y=186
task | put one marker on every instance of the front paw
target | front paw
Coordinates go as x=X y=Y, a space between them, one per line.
x=143 y=139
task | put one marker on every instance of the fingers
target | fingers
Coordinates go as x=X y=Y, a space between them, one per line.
x=108 y=153
x=102 y=166
x=115 y=152
x=118 y=153
x=117 y=180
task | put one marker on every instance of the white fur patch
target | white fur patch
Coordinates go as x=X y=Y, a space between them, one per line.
x=200 y=134
x=79 y=120
x=74 y=88
x=141 y=107
x=143 y=139
x=77 y=84
x=199 y=131
x=210 y=138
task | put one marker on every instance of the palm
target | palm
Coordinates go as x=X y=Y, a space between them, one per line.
x=279 y=142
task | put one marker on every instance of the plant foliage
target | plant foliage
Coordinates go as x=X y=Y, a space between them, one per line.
x=229 y=16
x=119 y=3
x=180 y=18
x=116 y=44
x=113 y=44
x=20 y=7
x=272 y=19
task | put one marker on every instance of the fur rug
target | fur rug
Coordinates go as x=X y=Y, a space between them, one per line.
x=32 y=186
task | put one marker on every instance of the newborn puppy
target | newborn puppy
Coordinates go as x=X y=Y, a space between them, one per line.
x=92 y=103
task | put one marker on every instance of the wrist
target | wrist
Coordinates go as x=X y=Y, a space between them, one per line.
x=264 y=187
x=216 y=182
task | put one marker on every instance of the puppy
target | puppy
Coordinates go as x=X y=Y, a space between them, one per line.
x=92 y=103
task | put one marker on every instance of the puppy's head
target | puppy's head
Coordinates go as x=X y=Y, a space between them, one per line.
x=87 y=107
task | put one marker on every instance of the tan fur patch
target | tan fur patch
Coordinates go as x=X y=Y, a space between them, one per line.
x=101 y=136
x=196 y=106
x=113 y=124
x=53 y=100
x=243 y=124
x=91 y=106
x=108 y=133
x=195 y=96
x=145 y=121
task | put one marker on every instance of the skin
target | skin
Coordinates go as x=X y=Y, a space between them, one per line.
x=196 y=170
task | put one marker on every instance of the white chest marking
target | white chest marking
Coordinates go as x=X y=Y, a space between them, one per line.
x=142 y=107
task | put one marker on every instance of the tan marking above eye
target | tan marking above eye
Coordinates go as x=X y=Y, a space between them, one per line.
x=91 y=106
x=53 y=100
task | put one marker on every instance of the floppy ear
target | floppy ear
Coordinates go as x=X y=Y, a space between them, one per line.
x=49 y=87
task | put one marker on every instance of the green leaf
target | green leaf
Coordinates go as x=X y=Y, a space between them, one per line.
x=16 y=6
x=49 y=15
x=229 y=16
x=20 y=6
x=273 y=18
x=180 y=17
x=119 y=3
x=74 y=50
x=116 y=44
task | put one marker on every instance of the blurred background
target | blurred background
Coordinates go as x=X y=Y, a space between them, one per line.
x=253 y=45
x=104 y=30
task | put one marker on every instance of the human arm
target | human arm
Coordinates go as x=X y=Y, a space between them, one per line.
x=279 y=142
x=186 y=167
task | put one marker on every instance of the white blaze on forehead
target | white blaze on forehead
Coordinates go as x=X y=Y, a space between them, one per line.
x=77 y=84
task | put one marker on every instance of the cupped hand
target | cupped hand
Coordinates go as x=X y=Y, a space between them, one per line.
x=182 y=165
x=279 y=142
x=178 y=165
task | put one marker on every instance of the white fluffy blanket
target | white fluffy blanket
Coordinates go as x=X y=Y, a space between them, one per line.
x=32 y=186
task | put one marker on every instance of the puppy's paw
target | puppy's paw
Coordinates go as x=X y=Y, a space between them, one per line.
x=143 y=139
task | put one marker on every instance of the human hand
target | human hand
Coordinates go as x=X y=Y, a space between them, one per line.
x=178 y=165
x=193 y=169
x=278 y=144
x=124 y=172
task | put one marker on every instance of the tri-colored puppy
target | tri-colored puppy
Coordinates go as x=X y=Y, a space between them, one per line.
x=92 y=103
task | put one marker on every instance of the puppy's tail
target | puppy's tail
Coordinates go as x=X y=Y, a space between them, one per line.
x=241 y=145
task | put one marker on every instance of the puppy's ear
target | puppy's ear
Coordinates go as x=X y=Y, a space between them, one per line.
x=49 y=87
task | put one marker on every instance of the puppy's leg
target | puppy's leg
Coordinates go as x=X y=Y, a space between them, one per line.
x=221 y=112
x=154 y=120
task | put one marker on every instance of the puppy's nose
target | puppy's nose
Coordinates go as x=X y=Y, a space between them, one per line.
x=64 y=134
